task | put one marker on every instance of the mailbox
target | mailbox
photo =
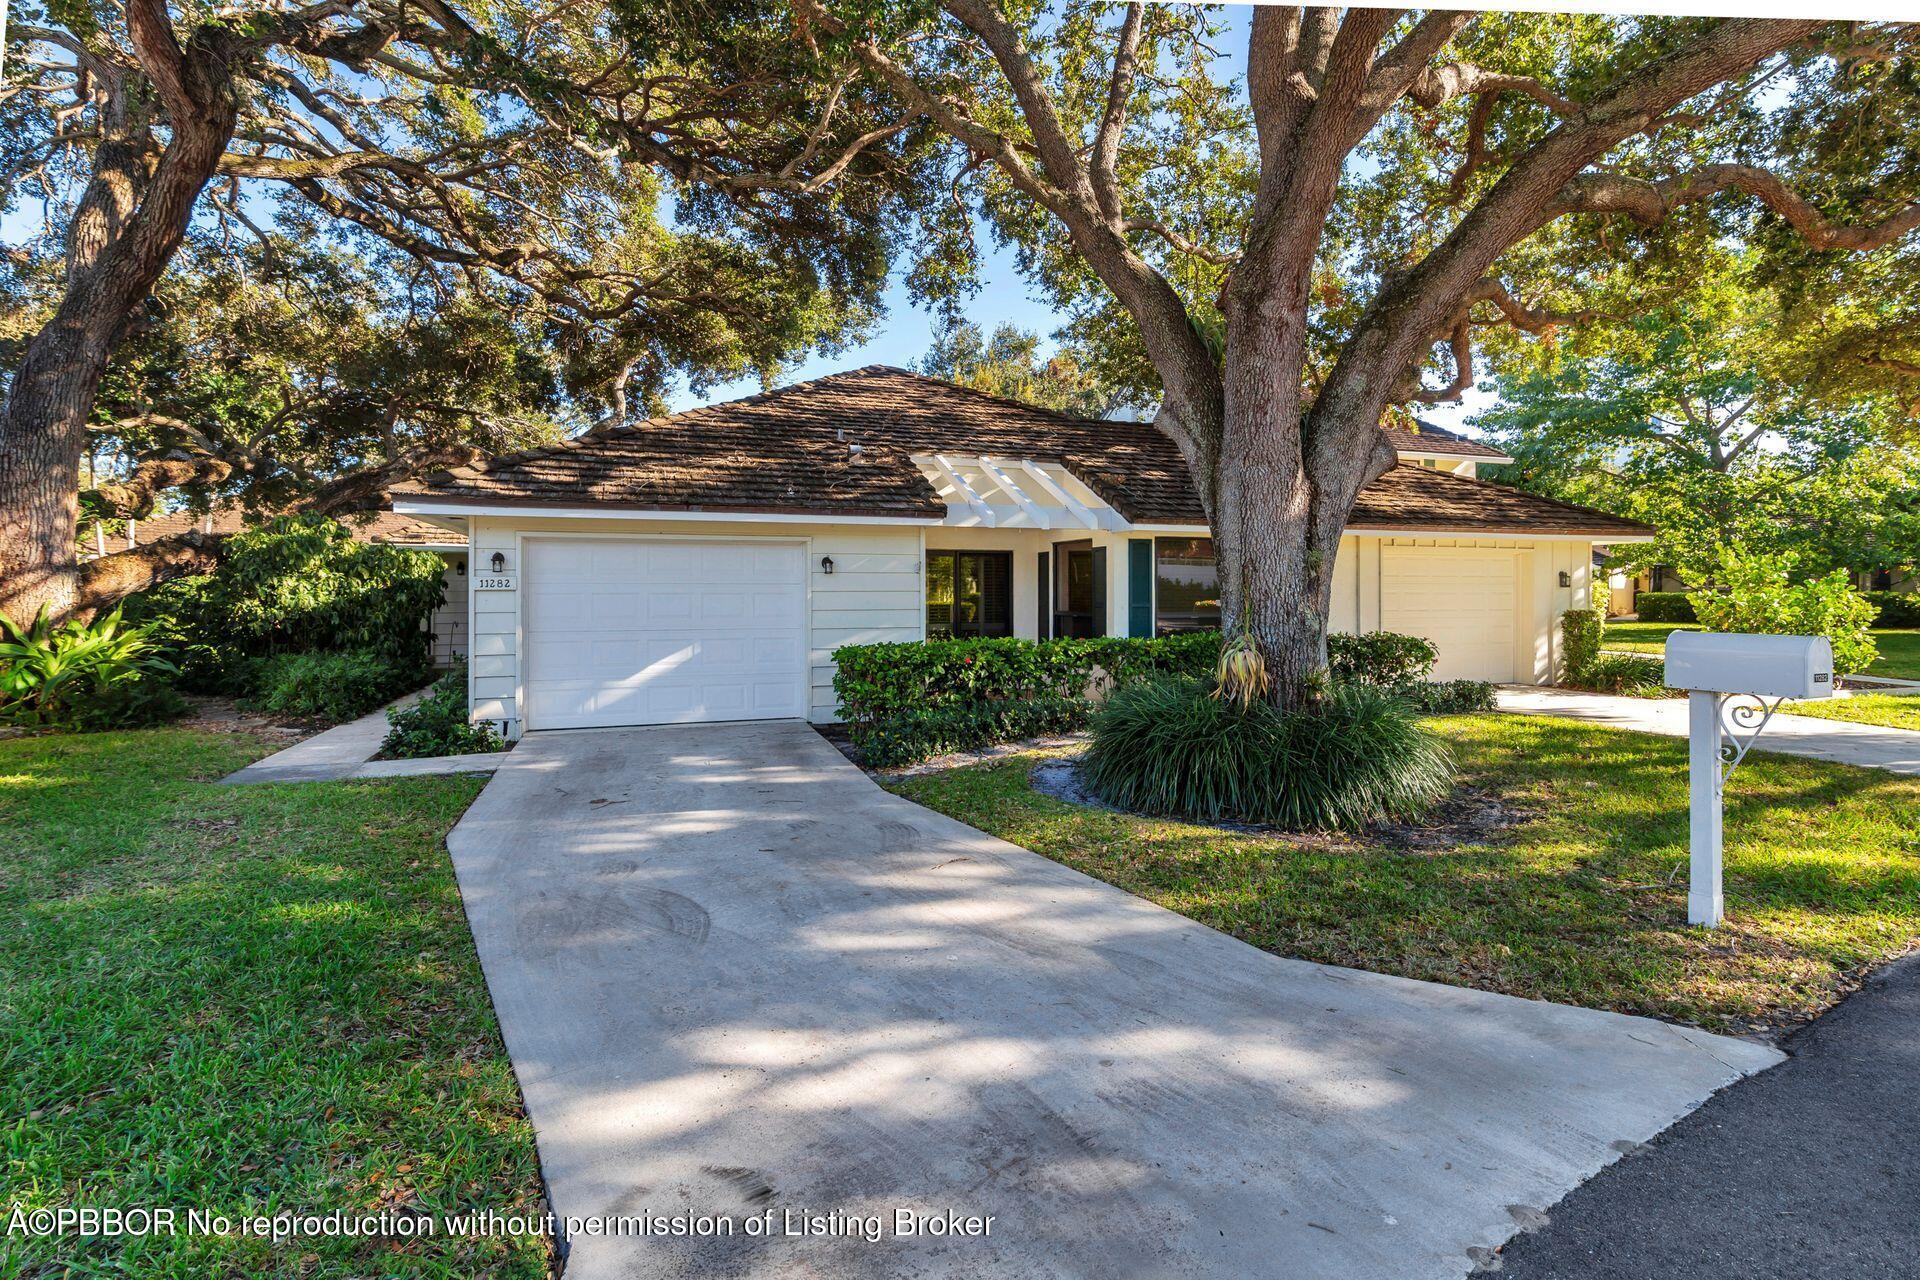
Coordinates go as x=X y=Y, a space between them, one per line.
x=1769 y=666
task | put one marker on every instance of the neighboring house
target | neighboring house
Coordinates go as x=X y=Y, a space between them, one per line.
x=705 y=566
x=449 y=621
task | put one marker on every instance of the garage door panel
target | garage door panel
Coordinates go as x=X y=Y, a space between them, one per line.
x=643 y=633
x=1465 y=602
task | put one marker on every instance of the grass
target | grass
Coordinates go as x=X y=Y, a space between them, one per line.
x=1585 y=902
x=1899 y=650
x=1889 y=710
x=252 y=1000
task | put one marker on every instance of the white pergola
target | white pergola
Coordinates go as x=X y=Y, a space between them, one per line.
x=1014 y=493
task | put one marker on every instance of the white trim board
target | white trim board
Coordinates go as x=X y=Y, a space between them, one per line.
x=418 y=507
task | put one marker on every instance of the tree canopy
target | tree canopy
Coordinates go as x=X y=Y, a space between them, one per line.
x=1392 y=193
x=623 y=197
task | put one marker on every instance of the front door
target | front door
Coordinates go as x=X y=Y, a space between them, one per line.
x=1081 y=591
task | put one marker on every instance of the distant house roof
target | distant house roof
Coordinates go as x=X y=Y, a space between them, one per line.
x=1427 y=438
x=367 y=526
x=844 y=445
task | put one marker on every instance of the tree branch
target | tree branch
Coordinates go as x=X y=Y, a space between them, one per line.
x=1650 y=203
x=1106 y=143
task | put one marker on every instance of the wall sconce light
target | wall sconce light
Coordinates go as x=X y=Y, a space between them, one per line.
x=1566 y=579
x=826 y=564
x=499 y=562
x=460 y=566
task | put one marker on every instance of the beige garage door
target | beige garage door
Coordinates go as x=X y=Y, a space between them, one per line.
x=1465 y=602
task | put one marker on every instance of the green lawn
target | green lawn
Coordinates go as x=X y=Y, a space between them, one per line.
x=1891 y=710
x=1585 y=902
x=1899 y=650
x=249 y=1001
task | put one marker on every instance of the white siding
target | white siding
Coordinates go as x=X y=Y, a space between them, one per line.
x=874 y=593
x=449 y=621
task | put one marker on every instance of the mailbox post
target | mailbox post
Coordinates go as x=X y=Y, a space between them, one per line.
x=1719 y=673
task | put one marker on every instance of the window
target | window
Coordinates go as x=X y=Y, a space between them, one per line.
x=1186 y=587
x=969 y=593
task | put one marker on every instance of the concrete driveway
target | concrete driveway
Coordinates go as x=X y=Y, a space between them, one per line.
x=737 y=979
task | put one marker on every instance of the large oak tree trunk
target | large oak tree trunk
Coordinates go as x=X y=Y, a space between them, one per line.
x=124 y=233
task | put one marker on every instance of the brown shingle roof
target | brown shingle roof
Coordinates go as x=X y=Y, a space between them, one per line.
x=843 y=445
x=1425 y=437
x=367 y=526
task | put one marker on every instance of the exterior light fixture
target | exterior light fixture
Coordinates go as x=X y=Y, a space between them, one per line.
x=826 y=564
x=1566 y=579
x=499 y=562
x=460 y=566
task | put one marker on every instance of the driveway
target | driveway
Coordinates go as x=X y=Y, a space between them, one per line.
x=738 y=979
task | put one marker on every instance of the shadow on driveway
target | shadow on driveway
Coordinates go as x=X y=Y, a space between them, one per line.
x=738 y=979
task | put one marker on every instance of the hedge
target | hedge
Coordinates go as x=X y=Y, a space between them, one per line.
x=1583 y=630
x=1898 y=609
x=1664 y=606
x=935 y=731
x=877 y=682
x=906 y=701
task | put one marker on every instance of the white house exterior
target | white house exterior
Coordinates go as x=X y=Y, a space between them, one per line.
x=706 y=566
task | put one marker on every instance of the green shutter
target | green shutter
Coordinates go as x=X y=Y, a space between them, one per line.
x=1140 y=587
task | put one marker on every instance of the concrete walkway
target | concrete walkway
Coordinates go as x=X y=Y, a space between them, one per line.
x=1895 y=750
x=347 y=751
x=1809 y=1170
x=738 y=979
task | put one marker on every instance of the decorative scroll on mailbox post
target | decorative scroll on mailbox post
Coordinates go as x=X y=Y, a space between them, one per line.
x=1734 y=684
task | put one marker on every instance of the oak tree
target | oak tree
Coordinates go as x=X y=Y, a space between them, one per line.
x=1287 y=266
x=625 y=178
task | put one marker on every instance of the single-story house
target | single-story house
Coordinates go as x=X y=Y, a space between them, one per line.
x=448 y=623
x=706 y=565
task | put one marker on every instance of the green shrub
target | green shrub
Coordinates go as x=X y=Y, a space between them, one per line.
x=1384 y=658
x=296 y=584
x=93 y=675
x=334 y=687
x=877 y=682
x=1447 y=697
x=1898 y=609
x=438 y=724
x=931 y=731
x=1624 y=673
x=1583 y=630
x=1758 y=595
x=1355 y=758
x=1664 y=606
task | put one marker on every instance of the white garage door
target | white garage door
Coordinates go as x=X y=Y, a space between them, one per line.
x=1465 y=602
x=626 y=632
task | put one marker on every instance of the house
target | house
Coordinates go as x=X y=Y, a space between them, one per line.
x=706 y=565
x=449 y=621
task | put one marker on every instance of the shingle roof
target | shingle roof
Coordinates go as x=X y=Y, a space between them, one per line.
x=843 y=445
x=367 y=526
x=1426 y=437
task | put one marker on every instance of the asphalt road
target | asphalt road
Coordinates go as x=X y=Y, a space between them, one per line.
x=1809 y=1169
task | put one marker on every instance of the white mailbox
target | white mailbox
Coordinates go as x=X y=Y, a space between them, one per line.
x=1734 y=685
x=1765 y=666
